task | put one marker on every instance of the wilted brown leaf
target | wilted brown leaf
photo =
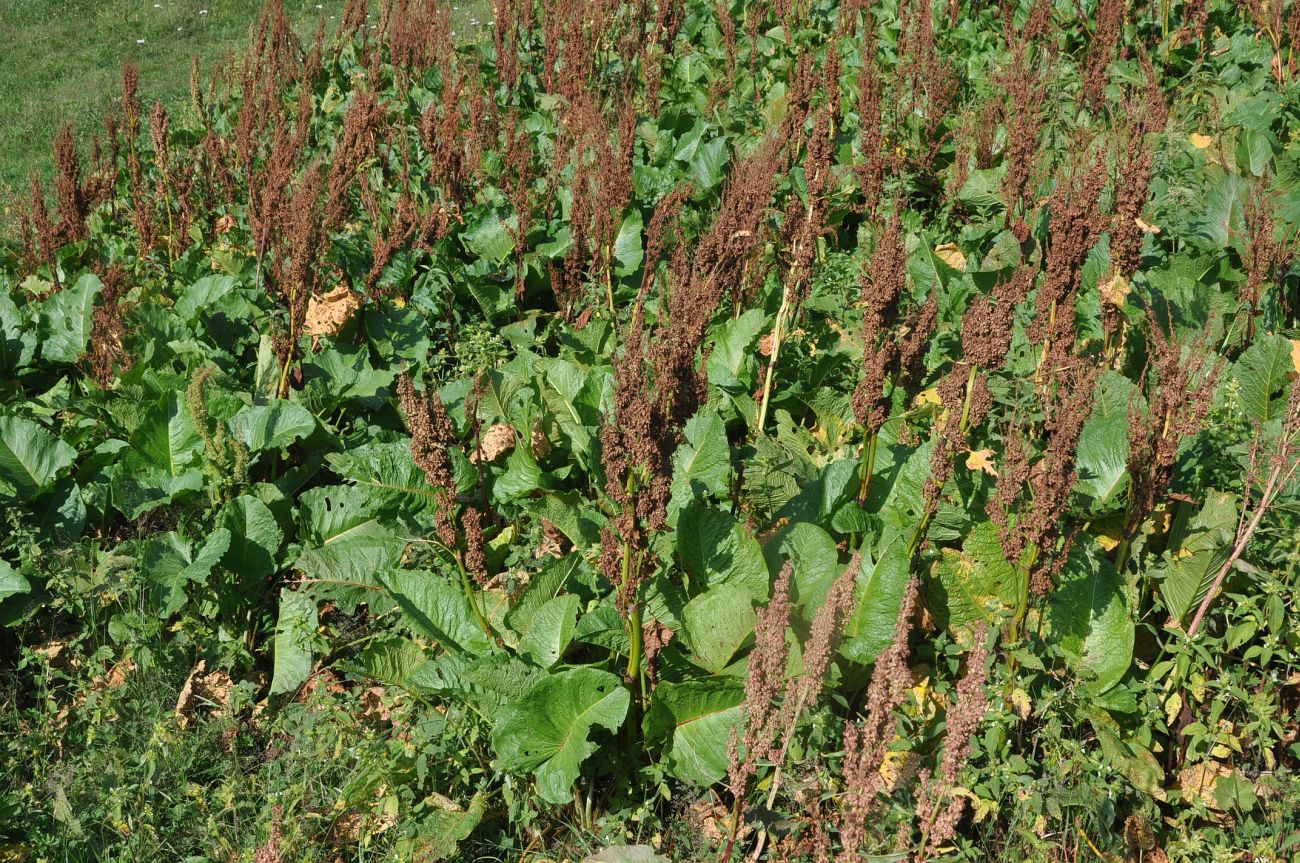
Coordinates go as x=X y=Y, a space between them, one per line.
x=497 y=440
x=326 y=315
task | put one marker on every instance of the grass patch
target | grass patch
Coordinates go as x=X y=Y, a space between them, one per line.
x=63 y=63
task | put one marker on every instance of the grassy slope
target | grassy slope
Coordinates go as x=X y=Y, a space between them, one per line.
x=62 y=62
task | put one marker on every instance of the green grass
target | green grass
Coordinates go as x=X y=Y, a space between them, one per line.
x=62 y=62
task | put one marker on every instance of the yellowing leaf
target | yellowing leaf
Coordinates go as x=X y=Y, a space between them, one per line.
x=951 y=255
x=1200 y=141
x=1199 y=780
x=1173 y=707
x=896 y=765
x=1020 y=703
x=981 y=459
x=928 y=397
x=1150 y=229
x=1115 y=290
x=1295 y=355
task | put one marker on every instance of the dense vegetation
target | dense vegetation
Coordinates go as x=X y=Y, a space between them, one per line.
x=718 y=431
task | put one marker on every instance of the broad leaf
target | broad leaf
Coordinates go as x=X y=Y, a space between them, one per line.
x=31 y=457
x=702 y=464
x=294 y=632
x=67 y=319
x=272 y=426
x=255 y=537
x=1089 y=616
x=879 y=598
x=1199 y=546
x=715 y=548
x=974 y=584
x=717 y=624
x=171 y=565
x=694 y=720
x=436 y=609
x=549 y=631
x=12 y=582
x=1262 y=372
x=1102 y=459
x=547 y=730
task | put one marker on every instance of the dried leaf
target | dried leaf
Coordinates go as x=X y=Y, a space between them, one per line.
x=326 y=315
x=951 y=255
x=1115 y=291
x=498 y=440
x=981 y=459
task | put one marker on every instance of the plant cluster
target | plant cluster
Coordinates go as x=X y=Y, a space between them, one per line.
x=794 y=431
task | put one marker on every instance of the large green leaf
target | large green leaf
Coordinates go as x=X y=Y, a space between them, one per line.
x=436 y=609
x=17 y=342
x=1089 y=615
x=1198 y=547
x=974 y=584
x=490 y=237
x=294 y=633
x=879 y=598
x=440 y=830
x=693 y=720
x=1262 y=372
x=167 y=439
x=717 y=624
x=12 y=582
x=709 y=163
x=549 y=631
x=627 y=245
x=67 y=319
x=731 y=362
x=816 y=561
x=702 y=464
x=1102 y=459
x=388 y=474
x=272 y=426
x=715 y=548
x=171 y=565
x=255 y=537
x=31 y=457
x=345 y=545
x=547 y=730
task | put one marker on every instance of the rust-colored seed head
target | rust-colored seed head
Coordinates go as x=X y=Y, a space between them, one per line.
x=67 y=186
x=1106 y=34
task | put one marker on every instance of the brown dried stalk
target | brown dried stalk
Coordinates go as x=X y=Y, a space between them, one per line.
x=1145 y=115
x=1105 y=37
x=867 y=741
x=1181 y=398
x=67 y=187
x=938 y=808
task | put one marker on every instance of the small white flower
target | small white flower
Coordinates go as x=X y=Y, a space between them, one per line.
x=139 y=41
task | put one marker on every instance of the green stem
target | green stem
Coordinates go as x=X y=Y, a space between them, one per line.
x=868 y=465
x=635 y=636
x=777 y=336
x=473 y=600
x=965 y=405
